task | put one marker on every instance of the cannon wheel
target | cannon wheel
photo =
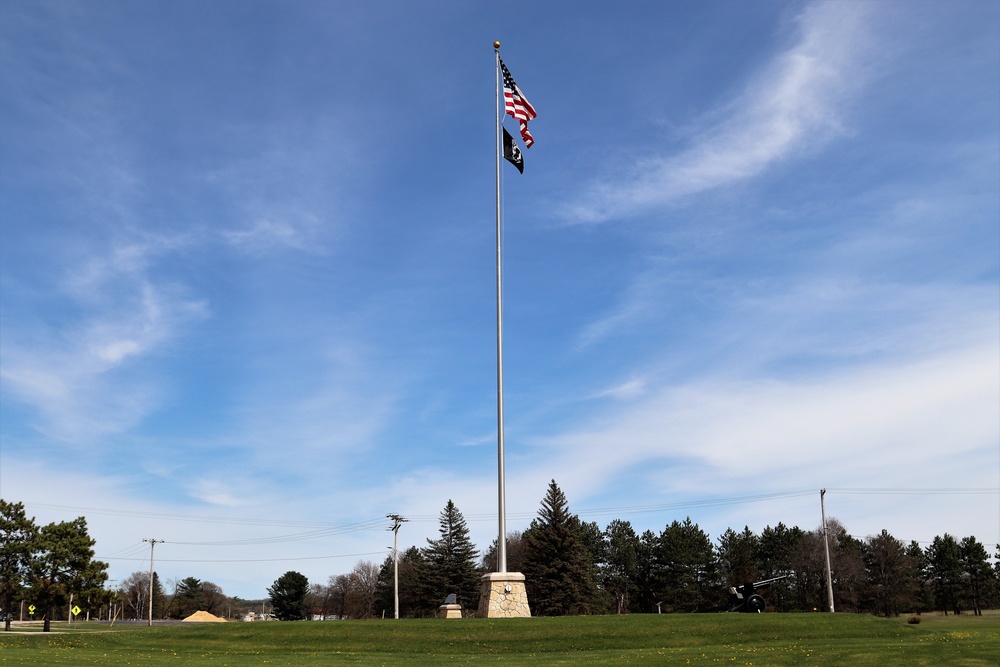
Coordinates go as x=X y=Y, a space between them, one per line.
x=755 y=604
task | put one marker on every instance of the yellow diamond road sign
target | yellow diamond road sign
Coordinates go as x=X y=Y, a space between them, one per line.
x=31 y=609
x=76 y=611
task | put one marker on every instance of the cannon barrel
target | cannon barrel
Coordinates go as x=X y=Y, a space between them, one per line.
x=772 y=580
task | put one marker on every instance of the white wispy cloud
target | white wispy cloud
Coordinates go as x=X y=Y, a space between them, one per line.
x=628 y=389
x=263 y=235
x=846 y=426
x=76 y=376
x=795 y=105
x=284 y=180
x=228 y=492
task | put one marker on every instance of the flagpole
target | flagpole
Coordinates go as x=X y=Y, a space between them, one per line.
x=501 y=495
x=503 y=594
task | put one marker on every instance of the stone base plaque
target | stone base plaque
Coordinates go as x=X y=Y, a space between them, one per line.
x=450 y=611
x=503 y=596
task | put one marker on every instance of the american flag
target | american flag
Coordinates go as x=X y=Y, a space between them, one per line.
x=516 y=105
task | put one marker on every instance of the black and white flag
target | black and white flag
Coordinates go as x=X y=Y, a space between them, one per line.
x=511 y=152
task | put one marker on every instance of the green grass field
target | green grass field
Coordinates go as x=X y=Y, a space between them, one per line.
x=696 y=639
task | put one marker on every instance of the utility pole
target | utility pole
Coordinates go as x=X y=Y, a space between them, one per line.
x=826 y=550
x=152 y=545
x=111 y=600
x=397 y=521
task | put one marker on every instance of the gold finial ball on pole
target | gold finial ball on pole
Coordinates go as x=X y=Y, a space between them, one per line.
x=496 y=45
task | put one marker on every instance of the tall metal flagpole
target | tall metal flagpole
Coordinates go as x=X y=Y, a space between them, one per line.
x=503 y=594
x=502 y=537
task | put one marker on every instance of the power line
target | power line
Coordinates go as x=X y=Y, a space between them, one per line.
x=311 y=535
x=919 y=492
x=371 y=524
x=203 y=519
x=248 y=560
x=326 y=529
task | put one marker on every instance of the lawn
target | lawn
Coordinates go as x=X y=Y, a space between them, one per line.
x=700 y=639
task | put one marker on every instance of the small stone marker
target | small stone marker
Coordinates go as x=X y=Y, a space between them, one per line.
x=450 y=608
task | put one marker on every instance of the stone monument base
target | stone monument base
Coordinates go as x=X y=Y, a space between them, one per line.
x=450 y=611
x=503 y=596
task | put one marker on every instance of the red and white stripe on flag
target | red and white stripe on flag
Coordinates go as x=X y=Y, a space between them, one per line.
x=516 y=105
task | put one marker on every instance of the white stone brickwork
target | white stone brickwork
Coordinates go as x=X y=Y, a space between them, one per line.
x=503 y=596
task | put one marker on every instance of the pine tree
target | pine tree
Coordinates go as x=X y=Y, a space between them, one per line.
x=737 y=554
x=515 y=553
x=644 y=577
x=451 y=562
x=944 y=565
x=777 y=550
x=64 y=566
x=289 y=595
x=977 y=573
x=188 y=598
x=159 y=597
x=620 y=574
x=557 y=565
x=923 y=596
x=685 y=563
x=889 y=572
x=17 y=547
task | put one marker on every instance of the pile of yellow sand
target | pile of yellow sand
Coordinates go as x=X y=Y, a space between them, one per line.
x=203 y=617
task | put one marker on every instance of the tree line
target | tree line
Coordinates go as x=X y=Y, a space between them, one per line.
x=575 y=567
x=186 y=596
x=571 y=567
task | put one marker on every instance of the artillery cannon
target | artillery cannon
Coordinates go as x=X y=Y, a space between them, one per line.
x=745 y=598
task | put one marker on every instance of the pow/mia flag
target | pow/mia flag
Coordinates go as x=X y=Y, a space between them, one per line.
x=511 y=152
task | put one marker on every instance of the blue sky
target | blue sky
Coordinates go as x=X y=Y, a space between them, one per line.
x=247 y=264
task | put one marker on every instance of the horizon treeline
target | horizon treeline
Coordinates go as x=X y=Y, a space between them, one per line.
x=576 y=567
x=571 y=567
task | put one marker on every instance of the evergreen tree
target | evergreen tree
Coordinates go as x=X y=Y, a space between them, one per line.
x=159 y=597
x=18 y=536
x=620 y=574
x=777 y=551
x=644 y=580
x=92 y=596
x=923 y=595
x=64 y=566
x=559 y=576
x=385 y=596
x=995 y=586
x=685 y=576
x=289 y=596
x=847 y=562
x=809 y=566
x=737 y=557
x=411 y=602
x=188 y=598
x=978 y=574
x=944 y=567
x=890 y=573
x=451 y=561
x=597 y=558
x=515 y=553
